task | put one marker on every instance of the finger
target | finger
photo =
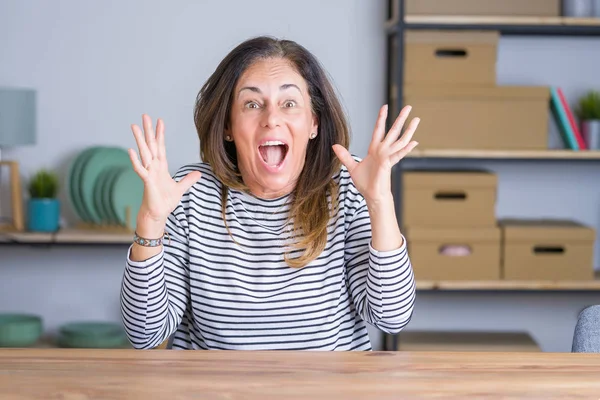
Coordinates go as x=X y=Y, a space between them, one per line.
x=160 y=140
x=399 y=155
x=396 y=128
x=407 y=137
x=137 y=165
x=142 y=145
x=188 y=181
x=345 y=157
x=150 y=136
x=379 y=130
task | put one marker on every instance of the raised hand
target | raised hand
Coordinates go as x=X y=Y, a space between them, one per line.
x=372 y=175
x=161 y=192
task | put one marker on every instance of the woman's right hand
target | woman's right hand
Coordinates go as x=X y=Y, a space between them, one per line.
x=161 y=192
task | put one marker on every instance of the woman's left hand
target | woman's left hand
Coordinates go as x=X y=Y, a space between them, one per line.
x=372 y=175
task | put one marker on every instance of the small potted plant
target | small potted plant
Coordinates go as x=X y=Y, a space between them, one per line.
x=588 y=112
x=43 y=207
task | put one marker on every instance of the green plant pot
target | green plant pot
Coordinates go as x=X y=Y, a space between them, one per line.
x=590 y=130
x=44 y=215
x=20 y=330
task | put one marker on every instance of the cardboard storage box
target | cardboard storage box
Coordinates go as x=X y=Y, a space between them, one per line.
x=434 y=58
x=454 y=254
x=541 y=8
x=449 y=198
x=547 y=250
x=499 y=118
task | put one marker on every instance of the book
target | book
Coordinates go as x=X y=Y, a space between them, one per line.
x=562 y=120
x=571 y=118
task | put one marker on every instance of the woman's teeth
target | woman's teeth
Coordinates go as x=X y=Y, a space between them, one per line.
x=273 y=152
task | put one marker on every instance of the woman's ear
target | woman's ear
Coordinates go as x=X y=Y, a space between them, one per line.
x=227 y=134
x=314 y=129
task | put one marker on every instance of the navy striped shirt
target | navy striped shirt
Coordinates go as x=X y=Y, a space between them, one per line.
x=214 y=293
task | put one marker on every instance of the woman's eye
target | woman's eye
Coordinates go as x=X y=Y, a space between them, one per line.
x=289 y=104
x=251 y=104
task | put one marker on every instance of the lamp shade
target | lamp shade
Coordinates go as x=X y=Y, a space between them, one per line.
x=17 y=117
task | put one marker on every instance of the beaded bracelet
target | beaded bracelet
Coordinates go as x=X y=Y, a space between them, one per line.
x=149 y=242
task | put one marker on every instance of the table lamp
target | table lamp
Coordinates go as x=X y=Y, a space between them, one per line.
x=17 y=128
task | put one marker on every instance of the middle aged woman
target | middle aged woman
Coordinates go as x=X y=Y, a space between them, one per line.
x=279 y=238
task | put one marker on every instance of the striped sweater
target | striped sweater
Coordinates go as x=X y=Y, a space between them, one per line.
x=214 y=293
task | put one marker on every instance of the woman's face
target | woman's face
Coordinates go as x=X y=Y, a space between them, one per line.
x=271 y=124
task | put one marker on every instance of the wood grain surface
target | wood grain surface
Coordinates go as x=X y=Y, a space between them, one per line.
x=167 y=374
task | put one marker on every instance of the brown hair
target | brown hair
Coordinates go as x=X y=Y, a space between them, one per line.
x=309 y=208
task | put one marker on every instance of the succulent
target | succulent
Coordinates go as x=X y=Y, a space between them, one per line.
x=589 y=106
x=43 y=185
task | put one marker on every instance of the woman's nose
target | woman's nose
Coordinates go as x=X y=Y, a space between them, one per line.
x=272 y=117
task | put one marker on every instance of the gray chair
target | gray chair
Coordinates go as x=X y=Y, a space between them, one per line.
x=586 y=338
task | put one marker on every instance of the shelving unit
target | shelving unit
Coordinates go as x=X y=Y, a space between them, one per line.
x=564 y=26
x=508 y=155
x=395 y=28
x=479 y=286
x=398 y=22
x=69 y=237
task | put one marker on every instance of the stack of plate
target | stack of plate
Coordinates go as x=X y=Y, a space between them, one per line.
x=19 y=330
x=102 y=184
x=99 y=335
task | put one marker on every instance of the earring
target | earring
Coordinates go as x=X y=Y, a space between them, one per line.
x=313 y=135
x=228 y=138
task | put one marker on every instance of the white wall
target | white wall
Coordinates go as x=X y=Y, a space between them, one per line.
x=98 y=65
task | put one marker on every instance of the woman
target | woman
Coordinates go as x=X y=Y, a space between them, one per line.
x=270 y=243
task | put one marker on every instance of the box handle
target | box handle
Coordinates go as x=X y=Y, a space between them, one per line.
x=548 y=249
x=451 y=53
x=450 y=195
x=455 y=250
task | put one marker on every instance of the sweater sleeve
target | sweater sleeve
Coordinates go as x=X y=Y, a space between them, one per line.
x=381 y=283
x=155 y=292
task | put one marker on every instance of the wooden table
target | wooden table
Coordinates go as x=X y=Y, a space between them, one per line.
x=154 y=374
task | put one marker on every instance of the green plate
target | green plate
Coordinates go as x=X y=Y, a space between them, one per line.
x=107 y=194
x=91 y=329
x=98 y=196
x=19 y=330
x=116 y=342
x=92 y=334
x=73 y=175
x=102 y=192
x=127 y=191
x=97 y=162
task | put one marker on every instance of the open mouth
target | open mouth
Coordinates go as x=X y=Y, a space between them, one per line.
x=273 y=152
